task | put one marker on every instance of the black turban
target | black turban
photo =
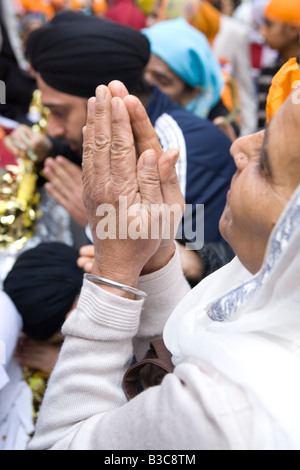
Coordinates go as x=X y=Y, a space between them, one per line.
x=75 y=53
x=43 y=285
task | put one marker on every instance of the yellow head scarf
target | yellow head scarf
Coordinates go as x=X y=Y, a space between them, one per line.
x=282 y=85
x=147 y=6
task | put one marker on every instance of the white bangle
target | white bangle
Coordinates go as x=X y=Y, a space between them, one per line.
x=107 y=282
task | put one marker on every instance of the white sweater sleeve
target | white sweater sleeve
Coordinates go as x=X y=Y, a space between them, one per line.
x=165 y=288
x=85 y=406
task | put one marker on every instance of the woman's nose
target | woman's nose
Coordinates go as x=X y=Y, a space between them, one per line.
x=239 y=152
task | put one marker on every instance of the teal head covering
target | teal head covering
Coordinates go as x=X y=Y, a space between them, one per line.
x=188 y=53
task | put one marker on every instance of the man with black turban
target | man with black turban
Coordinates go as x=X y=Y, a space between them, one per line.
x=44 y=284
x=72 y=55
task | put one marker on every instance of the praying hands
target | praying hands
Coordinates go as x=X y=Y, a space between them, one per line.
x=124 y=168
x=65 y=186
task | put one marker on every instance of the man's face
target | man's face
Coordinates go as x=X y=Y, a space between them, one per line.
x=68 y=115
x=268 y=172
x=275 y=34
x=158 y=73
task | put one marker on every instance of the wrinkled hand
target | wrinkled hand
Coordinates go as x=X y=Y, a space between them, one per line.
x=17 y=143
x=66 y=187
x=126 y=177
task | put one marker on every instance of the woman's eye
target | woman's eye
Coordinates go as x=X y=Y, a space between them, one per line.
x=262 y=162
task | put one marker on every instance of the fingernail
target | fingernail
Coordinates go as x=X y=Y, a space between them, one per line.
x=49 y=161
x=115 y=102
x=175 y=156
x=100 y=93
x=150 y=160
x=91 y=105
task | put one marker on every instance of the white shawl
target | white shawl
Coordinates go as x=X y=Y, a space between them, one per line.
x=248 y=327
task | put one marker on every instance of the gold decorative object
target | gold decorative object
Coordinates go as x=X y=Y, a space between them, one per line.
x=19 y=197
x=37 y=381
x=37 y=109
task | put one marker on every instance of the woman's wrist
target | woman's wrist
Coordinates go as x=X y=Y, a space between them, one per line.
x=160 y=259
x=129 y=274
x=127 y=277
x=117 y=285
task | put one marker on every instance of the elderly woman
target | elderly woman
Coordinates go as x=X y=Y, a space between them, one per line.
x=234 y=339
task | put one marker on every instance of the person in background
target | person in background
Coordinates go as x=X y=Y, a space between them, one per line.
x=24 y=7
x=44 y=284
x=13 y=67
x=251 y=13
x=40 y=291
x=150 y=9
x=30 y=23
x=125 y=12
x=223 y=33
x=281 y=31
x=88 y=7
x=236 y=60
x=67 y=80
x=227 y=7
x=184 y=67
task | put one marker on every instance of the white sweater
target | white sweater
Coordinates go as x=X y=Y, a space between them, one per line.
x=85 y=407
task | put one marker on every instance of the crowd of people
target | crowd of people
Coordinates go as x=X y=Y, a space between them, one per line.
x=191 y=106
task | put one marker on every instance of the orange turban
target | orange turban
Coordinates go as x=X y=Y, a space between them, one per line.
x=285 y=11
x=58 y=4
x=200 y=14
x=207 y=20
x=75 y=5
x=99 y=7
x=40 y=6
x=282 y=85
